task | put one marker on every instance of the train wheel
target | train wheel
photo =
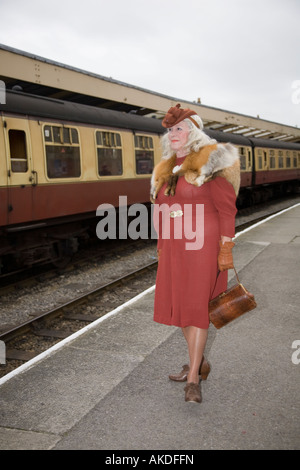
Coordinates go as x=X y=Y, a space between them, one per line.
x=63 y=251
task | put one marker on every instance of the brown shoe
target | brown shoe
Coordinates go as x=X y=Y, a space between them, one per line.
x=182 y=376
x=204 y=370
x=193 y=392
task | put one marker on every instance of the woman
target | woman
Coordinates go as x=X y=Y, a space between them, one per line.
x=194 y=188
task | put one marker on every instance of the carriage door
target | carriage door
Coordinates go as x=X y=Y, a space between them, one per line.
x=21 y=178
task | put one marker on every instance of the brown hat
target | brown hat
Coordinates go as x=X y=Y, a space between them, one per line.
x=176 y=115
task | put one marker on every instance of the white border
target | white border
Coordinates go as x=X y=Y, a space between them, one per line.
x=83 y=330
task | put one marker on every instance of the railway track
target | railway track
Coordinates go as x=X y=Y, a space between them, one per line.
x=28 y=276
x=36 y=335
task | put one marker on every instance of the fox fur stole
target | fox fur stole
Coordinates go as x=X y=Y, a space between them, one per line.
x=198 y=168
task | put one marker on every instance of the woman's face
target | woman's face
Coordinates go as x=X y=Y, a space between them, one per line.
x=178 y=135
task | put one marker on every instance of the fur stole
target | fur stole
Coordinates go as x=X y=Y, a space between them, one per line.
x=198 y=168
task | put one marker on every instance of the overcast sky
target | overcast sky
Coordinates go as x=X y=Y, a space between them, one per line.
x=237 y=55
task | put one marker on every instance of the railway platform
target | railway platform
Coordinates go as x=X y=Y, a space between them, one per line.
x=107 y=388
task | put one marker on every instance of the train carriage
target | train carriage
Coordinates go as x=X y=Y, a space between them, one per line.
x=244 y=147
x=58 y=153
x=275 y=162
x=60 y=160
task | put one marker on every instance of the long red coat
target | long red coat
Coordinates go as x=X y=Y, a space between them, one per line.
x=187 y=278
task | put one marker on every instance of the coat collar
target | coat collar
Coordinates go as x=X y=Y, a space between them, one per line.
x=198 y=168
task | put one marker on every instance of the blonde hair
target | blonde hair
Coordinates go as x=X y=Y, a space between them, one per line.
x=196 y=139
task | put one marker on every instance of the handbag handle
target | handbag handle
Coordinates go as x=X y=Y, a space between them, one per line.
x=236 y=274
x=237 y=277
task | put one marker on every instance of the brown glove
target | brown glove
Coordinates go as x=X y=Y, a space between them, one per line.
x=225 y=259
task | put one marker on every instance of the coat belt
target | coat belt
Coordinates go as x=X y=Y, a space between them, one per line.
x=174 y=214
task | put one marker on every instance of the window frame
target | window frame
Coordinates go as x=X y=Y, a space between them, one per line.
x=112 y=136
x=149 y=147
x=245 y=152
x=13 y=159
x=62 y=143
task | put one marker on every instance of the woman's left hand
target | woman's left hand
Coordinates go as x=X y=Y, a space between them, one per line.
x=225 y=258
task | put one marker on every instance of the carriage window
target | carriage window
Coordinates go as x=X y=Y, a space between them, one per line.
x=272 y=160
x=243 y=162
x=56 y=134
x=294 y=159
x=280 y=159
x=48 y=133
x=288 y=159
x=144 y=154
x=18 y=152
x=62 y=152
x=242 y=158
x=66 y=135
x=272 y=163
x=249 y=160
x=109 y=153
x=259 y=160
x=74 y=136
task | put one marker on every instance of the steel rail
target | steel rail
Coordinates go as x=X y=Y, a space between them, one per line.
x=50 y=314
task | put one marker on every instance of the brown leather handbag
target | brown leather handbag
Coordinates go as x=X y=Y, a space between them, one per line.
x=230 y=304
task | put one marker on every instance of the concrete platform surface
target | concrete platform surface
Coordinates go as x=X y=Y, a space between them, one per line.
x=108 y=389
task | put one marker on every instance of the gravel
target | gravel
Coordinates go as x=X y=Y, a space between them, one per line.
x=21 y=305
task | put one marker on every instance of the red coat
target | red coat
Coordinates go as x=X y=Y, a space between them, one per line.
x=186 y=278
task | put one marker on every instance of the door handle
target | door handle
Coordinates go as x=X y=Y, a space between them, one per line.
x=34 y=178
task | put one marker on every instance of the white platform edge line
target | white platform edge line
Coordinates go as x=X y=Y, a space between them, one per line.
x=83 y=330
x=71 y=338
x=265 y=220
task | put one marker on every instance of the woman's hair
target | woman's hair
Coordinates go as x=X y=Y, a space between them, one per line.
x=197 y=138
